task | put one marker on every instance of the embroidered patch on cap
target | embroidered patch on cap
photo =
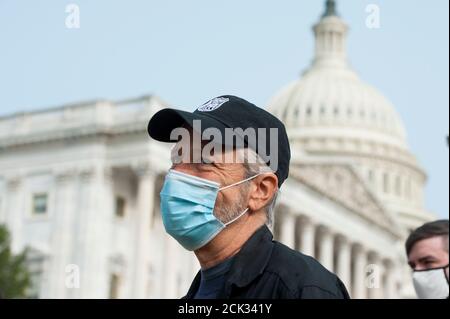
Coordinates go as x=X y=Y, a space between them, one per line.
x=213 y=104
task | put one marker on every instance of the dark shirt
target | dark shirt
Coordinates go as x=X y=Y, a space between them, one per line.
x=212 y=280
x=267 y=269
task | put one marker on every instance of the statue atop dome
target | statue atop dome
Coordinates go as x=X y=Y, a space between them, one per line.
x=330 y=9
x=330 y=35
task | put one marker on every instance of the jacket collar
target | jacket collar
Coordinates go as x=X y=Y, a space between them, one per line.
x=248 y=263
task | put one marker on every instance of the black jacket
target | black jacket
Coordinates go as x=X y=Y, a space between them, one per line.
x=267 y=269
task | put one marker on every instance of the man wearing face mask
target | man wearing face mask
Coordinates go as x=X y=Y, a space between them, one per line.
x=221 y=209
x=427 y=251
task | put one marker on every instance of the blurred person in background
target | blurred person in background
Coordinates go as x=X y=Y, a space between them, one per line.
x=427 y=252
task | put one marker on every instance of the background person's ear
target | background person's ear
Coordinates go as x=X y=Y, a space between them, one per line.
x=262 y=191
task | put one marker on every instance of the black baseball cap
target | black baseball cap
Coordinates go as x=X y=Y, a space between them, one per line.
x=231 y=112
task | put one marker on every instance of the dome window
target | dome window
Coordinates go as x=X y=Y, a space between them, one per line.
x=398 y=189
x=336 y=111
x=370 y=176
x=362 y=114
x=386 y=183
x=349 y=112
x=408 y=188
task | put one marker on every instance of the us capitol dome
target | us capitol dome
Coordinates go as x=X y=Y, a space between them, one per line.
x=331 y=113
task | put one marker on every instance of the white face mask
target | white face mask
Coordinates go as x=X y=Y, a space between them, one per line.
x=431 y=283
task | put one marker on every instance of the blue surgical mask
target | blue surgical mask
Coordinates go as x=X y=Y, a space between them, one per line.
x=187 y=208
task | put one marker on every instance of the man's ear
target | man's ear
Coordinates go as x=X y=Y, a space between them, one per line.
x=262 y=190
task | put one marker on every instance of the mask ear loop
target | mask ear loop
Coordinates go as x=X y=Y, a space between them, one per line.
x=240 y=182
x=236 y=218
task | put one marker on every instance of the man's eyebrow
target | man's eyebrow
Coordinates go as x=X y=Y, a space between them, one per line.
x=426 y=257
x=204 y=166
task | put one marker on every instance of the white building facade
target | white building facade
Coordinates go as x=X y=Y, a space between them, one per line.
x=79 y=186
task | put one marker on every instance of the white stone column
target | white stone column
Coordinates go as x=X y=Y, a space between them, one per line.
x=390 y=283
x=360 y=262
x=375 y=277
x=85 y=231
x=96 y=215
x=15 y=212
x=144 y=214
x=157 y=256
x=288 y=229
x=171 y=268
x=188 y=269
x=62 y=238
x=307 y=236
x=344 y=262
x=326 y=248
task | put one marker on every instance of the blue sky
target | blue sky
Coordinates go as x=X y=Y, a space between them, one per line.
x=189 y=51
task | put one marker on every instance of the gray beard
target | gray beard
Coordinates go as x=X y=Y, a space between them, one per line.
x=226 y=214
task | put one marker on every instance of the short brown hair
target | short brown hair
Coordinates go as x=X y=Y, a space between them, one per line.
x=428 y=230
